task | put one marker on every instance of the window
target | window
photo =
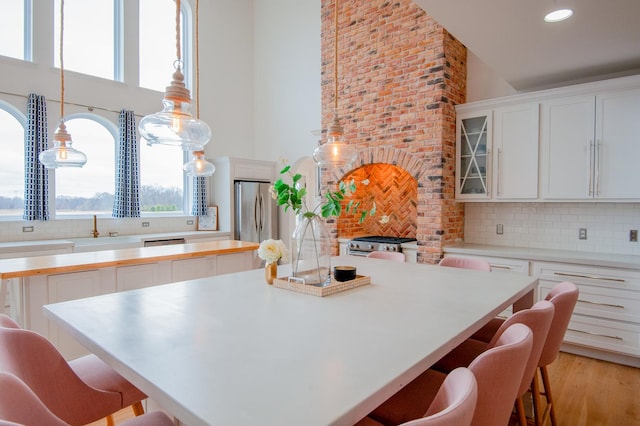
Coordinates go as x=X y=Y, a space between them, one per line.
x=89 y=44
x=157 y=43
x=11 y=161
x=161 y=179
x=15 y=31
x=91 y=188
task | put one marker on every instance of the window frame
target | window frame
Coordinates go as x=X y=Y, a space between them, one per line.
x=22 y=120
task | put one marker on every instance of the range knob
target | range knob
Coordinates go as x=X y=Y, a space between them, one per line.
x=354 y=245
x=371 y=247
x=393 y=248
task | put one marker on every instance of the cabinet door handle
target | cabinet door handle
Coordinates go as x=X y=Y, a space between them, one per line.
x=591 y=277
x=499 y=189
x=591 y=163
x=596 y=334
x=500 y=266
x=596 y=167
x=601 y=304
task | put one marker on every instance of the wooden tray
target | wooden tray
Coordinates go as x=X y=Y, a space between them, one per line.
x=332 y=288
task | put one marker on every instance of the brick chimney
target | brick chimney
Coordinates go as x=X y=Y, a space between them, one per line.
x=400 y=75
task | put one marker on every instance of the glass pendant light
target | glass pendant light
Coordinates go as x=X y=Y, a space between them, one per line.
x=174 y=125
x=335 y=152
x=199 y=166
x=62 y=154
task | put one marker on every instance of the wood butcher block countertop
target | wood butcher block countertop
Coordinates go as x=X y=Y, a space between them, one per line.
x=73 y=262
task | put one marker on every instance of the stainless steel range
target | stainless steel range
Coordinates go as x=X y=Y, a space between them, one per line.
x=361 y=246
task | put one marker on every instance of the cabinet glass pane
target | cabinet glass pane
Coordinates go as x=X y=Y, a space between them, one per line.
x=473 y=155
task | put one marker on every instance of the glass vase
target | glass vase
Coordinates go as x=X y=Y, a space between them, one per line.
x=311 y=251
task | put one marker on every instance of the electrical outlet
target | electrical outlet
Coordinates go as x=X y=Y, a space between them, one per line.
x=499 y=229
x=27 y=229
x=582 y=234
x=145 y=224
x=189 y=221
x=633 y=235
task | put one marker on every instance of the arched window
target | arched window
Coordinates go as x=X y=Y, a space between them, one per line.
x=90 y=45
x=15 y=31
x=12 y=125
x=157 y=41
x=89 y=189
x=161 y=179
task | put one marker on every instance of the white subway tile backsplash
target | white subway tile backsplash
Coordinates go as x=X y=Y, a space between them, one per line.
x=555 y=225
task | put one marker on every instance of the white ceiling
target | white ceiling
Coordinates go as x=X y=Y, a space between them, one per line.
x=602 y=38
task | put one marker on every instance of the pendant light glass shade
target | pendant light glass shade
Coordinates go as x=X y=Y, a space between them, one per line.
x=334 y=152
x=174 y=125
x=199 y=166
x=62 y=154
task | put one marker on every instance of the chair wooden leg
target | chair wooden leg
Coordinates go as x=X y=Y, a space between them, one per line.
x=547 y=391
x=522 y=415
x=137 y=408
x=110 y=421
x=535 y=399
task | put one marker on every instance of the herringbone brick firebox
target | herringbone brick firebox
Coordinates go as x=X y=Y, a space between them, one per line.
x=400 y=75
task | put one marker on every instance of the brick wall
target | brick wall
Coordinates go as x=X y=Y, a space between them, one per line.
x=399 y=76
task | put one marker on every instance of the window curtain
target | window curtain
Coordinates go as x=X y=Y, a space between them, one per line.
x=126 y=202
x=36 y=176
x=199 y=207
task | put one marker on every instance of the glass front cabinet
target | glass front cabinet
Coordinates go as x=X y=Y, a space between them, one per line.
x=473 y=155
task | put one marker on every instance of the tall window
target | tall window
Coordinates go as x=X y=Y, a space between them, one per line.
x=15 y=30
x=89 y=189
x=89 y=44
x=11 y=163
x=157 y=43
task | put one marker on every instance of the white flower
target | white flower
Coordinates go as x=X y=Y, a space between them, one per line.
x=272 y=251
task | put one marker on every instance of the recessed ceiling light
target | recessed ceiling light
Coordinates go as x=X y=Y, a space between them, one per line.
x=558 y=15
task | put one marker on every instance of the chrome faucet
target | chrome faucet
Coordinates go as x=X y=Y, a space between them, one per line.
x=95 y=232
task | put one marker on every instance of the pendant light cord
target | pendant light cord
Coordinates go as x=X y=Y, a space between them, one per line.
x=61 y=59
x=178 y=55
x=197 y=60
x=335 y=60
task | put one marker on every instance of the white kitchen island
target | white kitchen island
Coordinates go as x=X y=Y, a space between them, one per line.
x=232 y=350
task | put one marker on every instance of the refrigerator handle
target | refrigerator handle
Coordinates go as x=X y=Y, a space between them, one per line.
x=261 y=213
x=255 y=214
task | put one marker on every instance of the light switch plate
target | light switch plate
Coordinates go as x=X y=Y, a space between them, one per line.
x=499 y=229
x=582 y=234
x=633 y=235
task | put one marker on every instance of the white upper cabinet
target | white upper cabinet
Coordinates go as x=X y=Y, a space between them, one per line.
x=515 y=137
x=590 y=147
x=575 y=143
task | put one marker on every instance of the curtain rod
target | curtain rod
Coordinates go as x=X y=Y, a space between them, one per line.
x=88 y=107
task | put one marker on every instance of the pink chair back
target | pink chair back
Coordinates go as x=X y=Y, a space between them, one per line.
x=7 y=322
x=499 y=372
x=538 y=318
x=35 y=361
x=19 y=404
x=388 y=255
x=466 y=263
x=455 y=402
x=564 y=297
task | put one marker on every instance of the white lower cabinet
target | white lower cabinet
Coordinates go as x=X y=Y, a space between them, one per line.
x=607 y=315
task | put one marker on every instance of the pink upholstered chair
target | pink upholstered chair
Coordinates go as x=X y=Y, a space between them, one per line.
x=466 y=263
x=538 y=318
x=7 y=322
x=19 y=405
x=388 y=255
x=454 y=403
x=498 y=372
x=79 y=392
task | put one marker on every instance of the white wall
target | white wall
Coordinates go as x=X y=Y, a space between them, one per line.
x=483 y=82
x=287 y=81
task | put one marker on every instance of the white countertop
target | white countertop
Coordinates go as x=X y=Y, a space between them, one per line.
x=549 y=255
x=232 y=350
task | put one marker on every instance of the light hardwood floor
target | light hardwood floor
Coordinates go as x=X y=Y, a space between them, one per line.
x=587 y=392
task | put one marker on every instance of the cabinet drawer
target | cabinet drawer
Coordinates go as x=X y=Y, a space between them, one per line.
x=603 y=334
x=500 y=264
x=626 y=279
x=616 y=304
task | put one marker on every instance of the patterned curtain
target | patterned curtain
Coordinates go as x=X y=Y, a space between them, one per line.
x=126 y=202
x=36 y=176
x=199 y=207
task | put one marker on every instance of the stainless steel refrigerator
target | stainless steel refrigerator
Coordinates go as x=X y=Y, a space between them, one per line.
x=256 y=213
